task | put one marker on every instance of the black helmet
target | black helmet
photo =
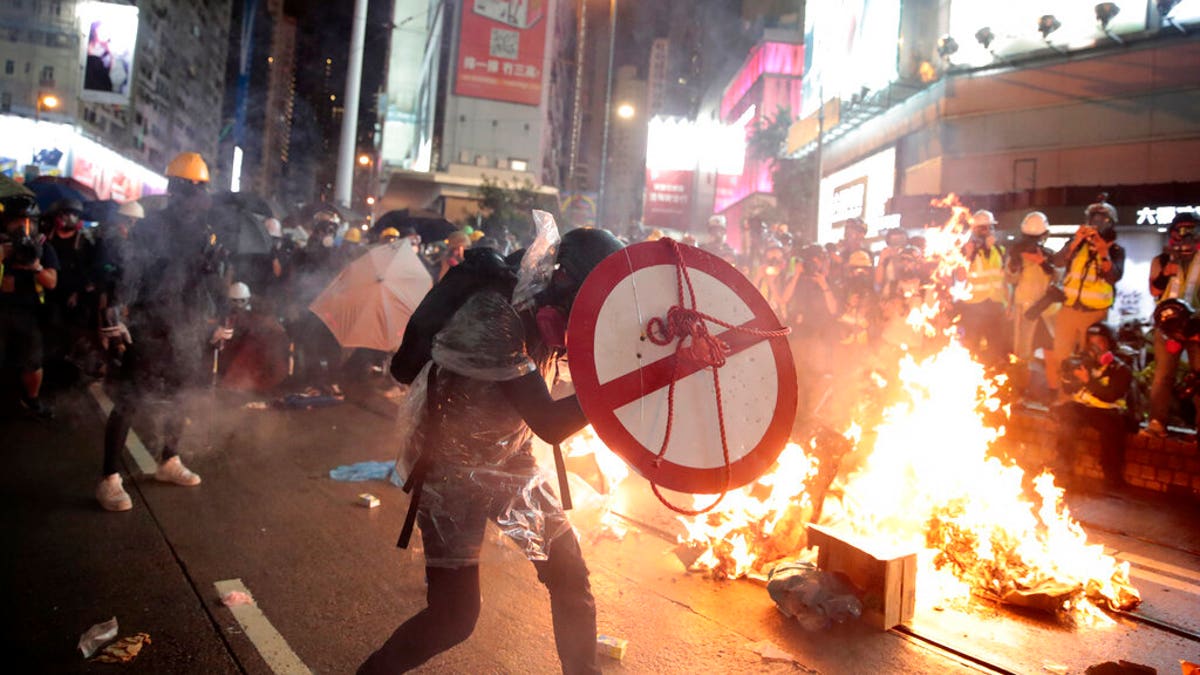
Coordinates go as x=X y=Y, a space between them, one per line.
x=1105 y=331
x=18 y=206
x=582 y=249
x=1171 y=317
x=811 y=252
x=68 y=205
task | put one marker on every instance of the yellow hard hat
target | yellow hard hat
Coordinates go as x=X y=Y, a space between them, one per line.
x=390 y=232
x=189 y=166
x=353 y=235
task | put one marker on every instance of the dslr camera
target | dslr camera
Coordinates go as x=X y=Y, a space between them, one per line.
x=25 y=249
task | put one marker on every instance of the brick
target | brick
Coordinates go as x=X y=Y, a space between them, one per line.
x=1154 y=444
x=1174 y=463
x=1136 y=442
x=1163 y=475
x=1196 y=483
x=1191 y=466
x=1136 y=456
x=1180 y=478
x=1146 y=472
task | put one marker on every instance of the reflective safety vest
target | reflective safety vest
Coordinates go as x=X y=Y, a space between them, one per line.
x=1083 y=285
x=986 y=276
x=1183 y=286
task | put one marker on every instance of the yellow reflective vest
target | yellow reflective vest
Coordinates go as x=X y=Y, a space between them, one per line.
x=986 y=276
x=1084 y=284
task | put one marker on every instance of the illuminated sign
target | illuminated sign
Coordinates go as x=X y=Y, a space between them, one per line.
x=1162 y=215
x=850 y=44
x=668 y=201
x=861 y=190
x=850 y=200
x=108 y=36
x=500 y=51
x=768 y=58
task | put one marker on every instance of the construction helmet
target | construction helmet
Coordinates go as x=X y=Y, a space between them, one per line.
x=1102 y=207
x=389 y=234
x=1034 y=224
x=983 y=218
x=1105 y=331
x=131 y=210
x=188 y=166
x=65 y=205
x=579 y=252
x=239 y=291
x=859 y=260
x=1171 y=317
x=353 y=236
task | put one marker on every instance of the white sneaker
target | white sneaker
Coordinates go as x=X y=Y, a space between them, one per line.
x=173 y=471
x=112 y=495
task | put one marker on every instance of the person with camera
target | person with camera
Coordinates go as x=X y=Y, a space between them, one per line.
x=1174 y=275
x=71 y=306
x=1094 y=263
x=982 y=315
x=168 y=296
x=1098 y=383
x=1030 y=271
x=30 y=268
x=895 y=241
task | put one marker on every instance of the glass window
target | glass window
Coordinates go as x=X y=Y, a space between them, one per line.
x=9 y=67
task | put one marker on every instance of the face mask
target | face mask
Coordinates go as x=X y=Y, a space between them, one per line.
x=327 y=241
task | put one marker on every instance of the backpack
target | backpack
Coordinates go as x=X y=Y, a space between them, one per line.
x=481 y=269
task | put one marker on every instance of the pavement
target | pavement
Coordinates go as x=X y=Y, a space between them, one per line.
x=329 y=584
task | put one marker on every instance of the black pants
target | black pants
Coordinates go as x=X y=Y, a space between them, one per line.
x=116 y=431
x=1110 y=424
x=452 y=596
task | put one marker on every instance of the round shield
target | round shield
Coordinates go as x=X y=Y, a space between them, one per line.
x=622 y=378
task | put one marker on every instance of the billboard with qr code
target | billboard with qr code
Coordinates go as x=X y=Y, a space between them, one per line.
x=501 y=51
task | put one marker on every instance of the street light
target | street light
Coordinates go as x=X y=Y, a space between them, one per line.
x=626 y=111
x=364 y=159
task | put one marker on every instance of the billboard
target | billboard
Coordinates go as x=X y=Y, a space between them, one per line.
x=108 y=38
x=668 y=201
x=501 y=50
x=849 y=45
x=861 y=190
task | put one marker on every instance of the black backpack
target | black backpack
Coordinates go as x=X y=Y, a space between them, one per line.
x=481 y=269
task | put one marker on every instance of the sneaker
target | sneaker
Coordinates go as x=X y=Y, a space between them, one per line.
x=1156 y=429
x=173 y=471
x=112 y=495
x=36 y=408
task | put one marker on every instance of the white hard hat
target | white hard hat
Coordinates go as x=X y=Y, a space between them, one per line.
x=131 y=210
x=983 y=217
x=1035 y=224
x=716 y=221
x=274 y=228
x=239 y=291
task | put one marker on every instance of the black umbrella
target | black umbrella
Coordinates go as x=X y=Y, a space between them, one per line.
x=431 y=226
x=239 y=229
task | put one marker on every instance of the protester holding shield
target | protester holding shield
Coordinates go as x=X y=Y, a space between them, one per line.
x=486 y=362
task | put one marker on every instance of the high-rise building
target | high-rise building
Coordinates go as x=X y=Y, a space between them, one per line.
x=149 y=100
x=475 y=91
x=656 y=81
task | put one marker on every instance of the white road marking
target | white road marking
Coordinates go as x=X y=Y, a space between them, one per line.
x=1168 y=581
x=269 y=643
x=141 y=456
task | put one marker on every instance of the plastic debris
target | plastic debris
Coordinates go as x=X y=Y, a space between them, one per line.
x=368 y=500
x=612 y=647
x=813 y=597
x=257 y=405
x=124 y=650
x=237 y=598
x=771 y=652
x=96 y=636
x=1059 y=668
x=354 y=473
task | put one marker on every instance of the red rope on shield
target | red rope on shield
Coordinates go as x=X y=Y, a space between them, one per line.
x=695 y=346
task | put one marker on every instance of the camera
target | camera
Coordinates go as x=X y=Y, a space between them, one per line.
x=1053 y=294
x=25 y=249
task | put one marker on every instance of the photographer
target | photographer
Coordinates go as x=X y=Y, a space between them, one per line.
x=30 y=268
x=1030 y=271
x=1098 y=382
x=983 y=314
x=1094 y=264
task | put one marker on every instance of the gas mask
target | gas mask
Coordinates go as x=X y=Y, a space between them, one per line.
x=327 y=241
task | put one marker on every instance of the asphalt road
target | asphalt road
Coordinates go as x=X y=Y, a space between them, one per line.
x=328 y=580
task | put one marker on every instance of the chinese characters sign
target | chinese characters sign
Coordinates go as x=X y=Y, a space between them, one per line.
x=501 y=50
x=668 y=201
x=1163 y=215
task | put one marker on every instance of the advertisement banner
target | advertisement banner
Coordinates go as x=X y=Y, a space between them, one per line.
x=501 y=49
x=108 y=37
x=668 y=201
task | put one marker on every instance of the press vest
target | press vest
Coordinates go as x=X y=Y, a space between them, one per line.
x=986 y=275
x=1083 y=285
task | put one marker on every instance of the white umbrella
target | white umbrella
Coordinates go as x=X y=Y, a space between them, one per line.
x=368 y=305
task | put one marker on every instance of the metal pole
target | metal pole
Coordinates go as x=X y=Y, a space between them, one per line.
x=820 y=158
x=345 y=169
x=612 y=38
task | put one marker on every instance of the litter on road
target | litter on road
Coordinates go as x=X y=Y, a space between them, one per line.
x=96 y=636
x=124 y=650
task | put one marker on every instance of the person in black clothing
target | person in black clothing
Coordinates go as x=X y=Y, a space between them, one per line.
x=1098 y=382
x=170 y=292
x=488 y=366
x=812 y=312
x=30 y=269
x=71 y=306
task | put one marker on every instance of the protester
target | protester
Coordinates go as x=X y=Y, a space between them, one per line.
x=71 y=306
x=456 y=244
x=895 y=241
x=1174 y=275
x=30 y=269
x=1094 y=263
x=488 y=365
x=161 y=322
x=811 y=311
x=1098 y=382
x=983 y=313
x=1031 y=273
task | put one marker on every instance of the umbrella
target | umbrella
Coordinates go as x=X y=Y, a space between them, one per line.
x=346 y=215
x=11 y=188
x=239 y=226
x=368 y=305
x=49 y=189
x=431 y=226
x=248 y=201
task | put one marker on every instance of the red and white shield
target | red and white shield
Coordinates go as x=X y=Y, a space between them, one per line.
x=622 y=377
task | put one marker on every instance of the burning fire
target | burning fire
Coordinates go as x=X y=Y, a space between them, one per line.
x=923 y=477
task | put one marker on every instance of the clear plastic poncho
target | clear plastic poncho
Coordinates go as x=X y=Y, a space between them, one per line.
x=482 y=466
